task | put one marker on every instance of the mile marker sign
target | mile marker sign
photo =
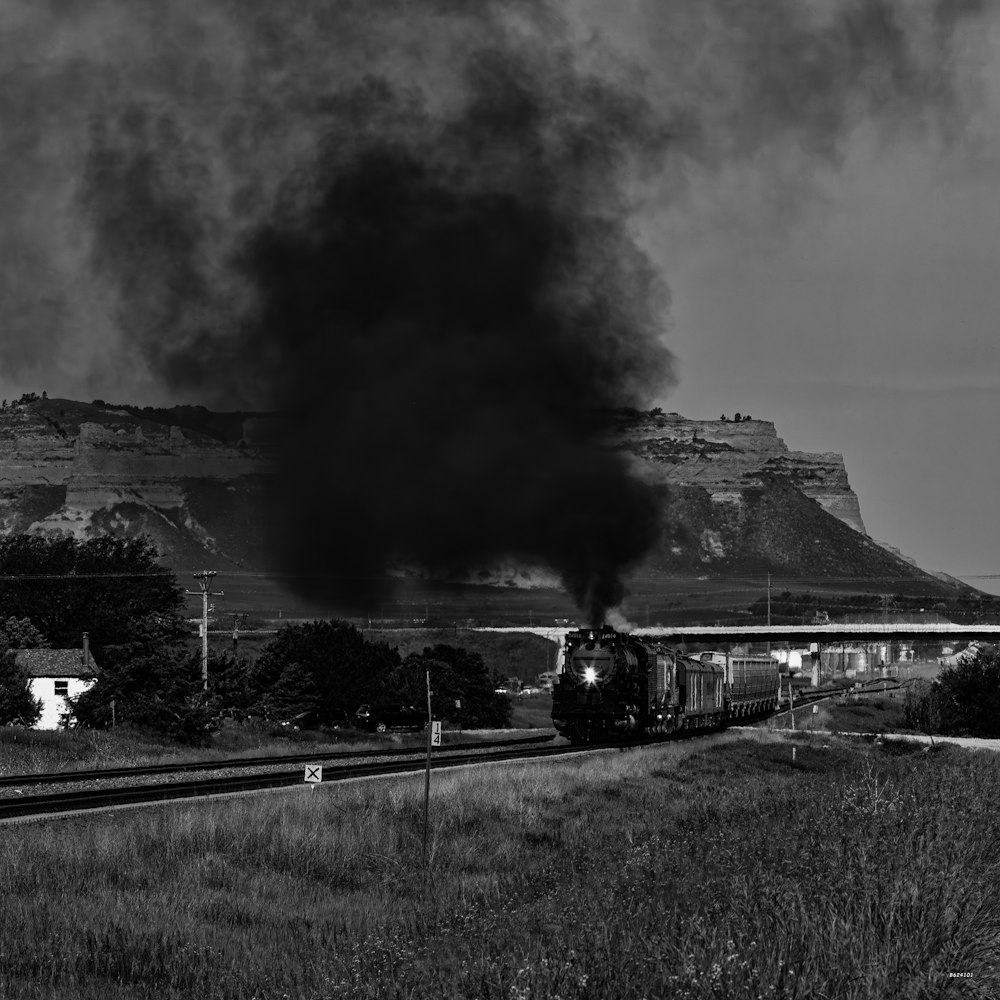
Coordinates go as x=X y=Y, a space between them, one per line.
x=435 y=734
x=314 y=773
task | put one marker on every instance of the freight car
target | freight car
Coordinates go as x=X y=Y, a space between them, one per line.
x=752 y=683
x=614 y=685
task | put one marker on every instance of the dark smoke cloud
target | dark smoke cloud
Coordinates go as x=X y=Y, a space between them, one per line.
x=454 y=311
x=413 y=227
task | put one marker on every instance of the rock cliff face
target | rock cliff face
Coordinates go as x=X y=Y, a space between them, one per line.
x=736 y=500
x=726 y=457
x=83 y=469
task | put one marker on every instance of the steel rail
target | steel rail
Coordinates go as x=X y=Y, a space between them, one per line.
x=102 y=774
x=63 y=802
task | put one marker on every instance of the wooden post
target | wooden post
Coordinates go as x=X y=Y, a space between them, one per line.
x=427 y=773
x=791 y=705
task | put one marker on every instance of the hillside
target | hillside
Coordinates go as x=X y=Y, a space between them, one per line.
x=737 y=501
x=83 y=468
x=740 y=503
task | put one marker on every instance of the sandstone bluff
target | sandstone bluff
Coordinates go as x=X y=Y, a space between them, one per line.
x=736 y=499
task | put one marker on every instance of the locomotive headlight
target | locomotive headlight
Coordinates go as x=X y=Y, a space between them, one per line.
x=589 y=675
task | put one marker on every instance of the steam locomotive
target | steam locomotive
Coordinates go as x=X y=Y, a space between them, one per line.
x=613 y=685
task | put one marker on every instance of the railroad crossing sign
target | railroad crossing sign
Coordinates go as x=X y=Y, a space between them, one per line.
x=435 y=734
x=314 y=773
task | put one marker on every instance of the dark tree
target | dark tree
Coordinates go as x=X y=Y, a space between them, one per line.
x=345 y=669
x=103 y=586
x=230 y=691
x=17 y=704
x=19 y=633
x=154 y=685
x=964 y=701
x=292 y=693
x=457 y=675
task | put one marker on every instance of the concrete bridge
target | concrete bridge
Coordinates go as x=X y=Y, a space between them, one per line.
x=802 y=636
x=795 y=634
x=867 y=632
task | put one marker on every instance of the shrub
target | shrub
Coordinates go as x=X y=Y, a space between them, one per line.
x=963 y=701
x=17 y=704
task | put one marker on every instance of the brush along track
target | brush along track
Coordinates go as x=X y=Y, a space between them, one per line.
x=107 y=797
x=21 y=781
x=314 y=757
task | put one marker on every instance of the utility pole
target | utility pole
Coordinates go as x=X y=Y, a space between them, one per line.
x=769 y=615
x=427 y=773
x=238 y=620
x=204 y=579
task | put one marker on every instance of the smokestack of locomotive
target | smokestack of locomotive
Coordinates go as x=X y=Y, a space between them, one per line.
x=413 y=228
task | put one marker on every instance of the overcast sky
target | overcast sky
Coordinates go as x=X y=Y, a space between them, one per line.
x=869 y=327
x=849 y=292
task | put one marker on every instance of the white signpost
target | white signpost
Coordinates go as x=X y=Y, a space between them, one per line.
x=314 y=773
x=435 y=734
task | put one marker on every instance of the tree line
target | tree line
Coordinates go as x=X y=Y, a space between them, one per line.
x=149 y=676
x=805 y=607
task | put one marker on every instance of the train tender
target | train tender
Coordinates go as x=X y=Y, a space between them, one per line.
x=614 y=685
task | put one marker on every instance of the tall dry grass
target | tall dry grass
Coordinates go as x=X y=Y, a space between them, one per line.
x=716 y=868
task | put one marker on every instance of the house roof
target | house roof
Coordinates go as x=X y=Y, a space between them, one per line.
x=54 y=662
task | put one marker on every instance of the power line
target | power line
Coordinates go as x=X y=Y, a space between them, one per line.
x=162 y=574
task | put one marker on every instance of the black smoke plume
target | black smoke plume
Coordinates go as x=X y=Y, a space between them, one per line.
x=452 y=312
x=413 y=227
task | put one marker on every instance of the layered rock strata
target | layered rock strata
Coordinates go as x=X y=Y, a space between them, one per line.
x=79 y=468
x=726 y=457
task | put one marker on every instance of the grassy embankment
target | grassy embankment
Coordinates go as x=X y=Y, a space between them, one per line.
x=709 y=868
x=29 y=751
x=871 y=714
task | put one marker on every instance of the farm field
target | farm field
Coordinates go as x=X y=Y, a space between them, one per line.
x=707 y=868
x=652 y=599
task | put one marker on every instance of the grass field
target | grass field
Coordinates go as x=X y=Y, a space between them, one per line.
x=28 y=751
x=871 y=714
x=704 y=869
x=31 y=751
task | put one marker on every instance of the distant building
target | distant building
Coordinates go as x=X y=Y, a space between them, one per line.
x=57 y=674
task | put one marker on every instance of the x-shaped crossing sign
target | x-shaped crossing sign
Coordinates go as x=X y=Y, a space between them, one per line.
x=314 y=773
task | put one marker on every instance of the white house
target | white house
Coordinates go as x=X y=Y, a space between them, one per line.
x=56 y=674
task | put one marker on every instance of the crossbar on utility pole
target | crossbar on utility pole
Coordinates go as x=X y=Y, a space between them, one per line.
x=204 y=579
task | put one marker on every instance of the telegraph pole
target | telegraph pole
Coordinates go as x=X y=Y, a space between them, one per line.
x=427 y=773
x=237 y=621
x=204 y=579
x=768 y=621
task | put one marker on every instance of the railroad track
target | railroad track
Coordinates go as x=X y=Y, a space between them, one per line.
x=108 y=773
x=47 y=804
x=813 y=694
x=386 y=762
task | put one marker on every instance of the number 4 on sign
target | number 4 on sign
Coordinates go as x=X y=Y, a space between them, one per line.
x=435 y=734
